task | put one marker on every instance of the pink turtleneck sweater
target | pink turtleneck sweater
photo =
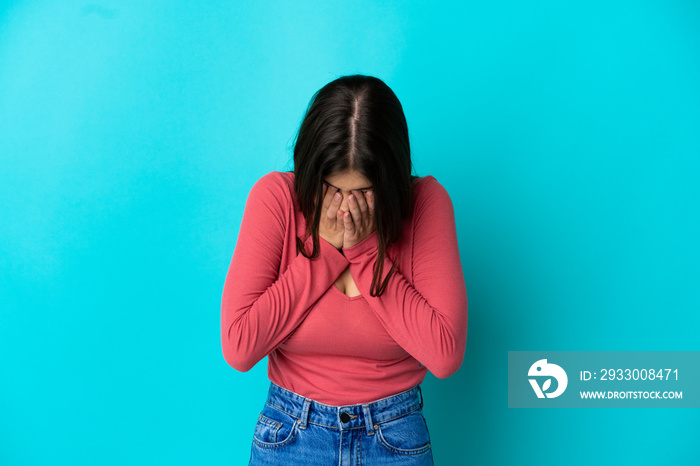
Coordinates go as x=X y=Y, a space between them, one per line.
x=323 y=344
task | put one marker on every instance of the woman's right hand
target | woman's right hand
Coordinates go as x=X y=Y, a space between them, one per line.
x=331 y=225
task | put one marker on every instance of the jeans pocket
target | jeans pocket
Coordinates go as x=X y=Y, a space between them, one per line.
x=274 y=428
x=405 y=435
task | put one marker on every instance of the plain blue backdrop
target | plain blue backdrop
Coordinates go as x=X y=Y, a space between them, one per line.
x=567 y=134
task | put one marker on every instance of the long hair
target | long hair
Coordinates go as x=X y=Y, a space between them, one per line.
x=356 y=123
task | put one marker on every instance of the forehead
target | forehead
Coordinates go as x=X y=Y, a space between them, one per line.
x=348 y=181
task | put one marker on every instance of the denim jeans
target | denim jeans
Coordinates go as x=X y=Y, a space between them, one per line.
x=293 y=429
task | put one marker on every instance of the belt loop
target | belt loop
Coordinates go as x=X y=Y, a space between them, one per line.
x=369 y=424
x=421 y=396
x=305 y=413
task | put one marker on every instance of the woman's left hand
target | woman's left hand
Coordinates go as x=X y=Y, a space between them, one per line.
x=359 y=222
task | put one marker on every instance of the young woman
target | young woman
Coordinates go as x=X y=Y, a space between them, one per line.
x=347 y=275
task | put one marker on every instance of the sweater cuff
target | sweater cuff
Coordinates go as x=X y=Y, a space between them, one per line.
x=327 y=250
x=366 y=246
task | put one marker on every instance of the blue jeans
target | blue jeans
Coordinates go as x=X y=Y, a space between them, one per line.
x=293 y=429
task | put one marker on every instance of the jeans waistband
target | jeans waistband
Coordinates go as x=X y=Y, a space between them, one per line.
x=363 y=415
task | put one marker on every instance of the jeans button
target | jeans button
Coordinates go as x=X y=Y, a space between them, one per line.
x=345 y=417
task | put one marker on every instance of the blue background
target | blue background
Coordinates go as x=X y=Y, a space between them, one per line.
x=567 y=134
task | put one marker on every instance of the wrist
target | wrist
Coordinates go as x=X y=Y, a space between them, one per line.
x=368 y=242
x=331 y=242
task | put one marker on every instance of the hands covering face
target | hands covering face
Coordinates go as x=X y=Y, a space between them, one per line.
x=344 y=229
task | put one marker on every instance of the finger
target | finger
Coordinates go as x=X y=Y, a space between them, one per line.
x=361 y=202
x=339 y=217
x=328 y=197
x=355 y=210
x=349 y=224
x=370 y=203
x=335 y=204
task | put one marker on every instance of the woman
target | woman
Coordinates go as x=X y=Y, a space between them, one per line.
x=346 y=274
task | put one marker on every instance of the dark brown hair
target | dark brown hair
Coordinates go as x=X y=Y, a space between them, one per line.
x=356 y=123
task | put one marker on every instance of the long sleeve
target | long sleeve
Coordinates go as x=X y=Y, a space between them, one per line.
x=261 y=307
x=428 y=320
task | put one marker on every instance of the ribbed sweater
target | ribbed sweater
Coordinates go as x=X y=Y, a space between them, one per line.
x=322 y=344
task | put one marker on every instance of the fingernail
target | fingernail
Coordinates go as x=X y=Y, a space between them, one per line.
x=337 y=196
x=352 y=199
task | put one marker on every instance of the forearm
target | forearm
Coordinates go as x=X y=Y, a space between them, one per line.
x=431 y=328
x=258 y=313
